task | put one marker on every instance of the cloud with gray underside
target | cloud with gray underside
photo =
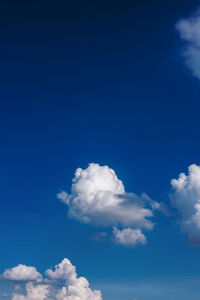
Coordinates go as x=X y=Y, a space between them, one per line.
x=98 y=197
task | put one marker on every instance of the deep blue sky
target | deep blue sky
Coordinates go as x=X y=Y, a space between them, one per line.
x=95 y=81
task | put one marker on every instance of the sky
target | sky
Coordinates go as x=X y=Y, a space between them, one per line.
x=100 y=140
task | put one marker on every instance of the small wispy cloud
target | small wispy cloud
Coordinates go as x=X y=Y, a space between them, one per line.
x=99 y=236
x=129 y=237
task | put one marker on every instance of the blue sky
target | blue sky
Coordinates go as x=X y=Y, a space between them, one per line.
x=113 y=83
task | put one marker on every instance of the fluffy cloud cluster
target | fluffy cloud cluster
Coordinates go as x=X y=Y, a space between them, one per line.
x=33 y=292
x=99 y=197
x=186 y=199
x=189 y=30
x=62 y=284
x=22 y=273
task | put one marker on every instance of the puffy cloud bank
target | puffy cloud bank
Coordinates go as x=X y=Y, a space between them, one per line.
x=61 y=283
x=186 y=199
x=189 y=30
x=99 y=197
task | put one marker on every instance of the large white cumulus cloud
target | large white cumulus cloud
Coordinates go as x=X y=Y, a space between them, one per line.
x=62 y=284
x=99 y=197
x=189 y=30
x=186 y=199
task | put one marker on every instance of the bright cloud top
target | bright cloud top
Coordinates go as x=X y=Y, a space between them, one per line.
x=65 y=270
x=22 y=273
x=62 y=284
x=98 y=197
x=189 y=30
x=186 y=199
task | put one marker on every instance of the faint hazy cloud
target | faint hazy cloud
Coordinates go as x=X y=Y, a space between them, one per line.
x=99 y=236
x=189 y=30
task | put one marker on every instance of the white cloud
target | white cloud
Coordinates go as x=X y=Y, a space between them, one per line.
x=189 y=30
x=62 y=284
x=33 y=292
x=129 y=237
x=78 y=291
x=21 y=273
x=65 y=270
x=186 y=199
x=99 y=197
x=77 y=288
